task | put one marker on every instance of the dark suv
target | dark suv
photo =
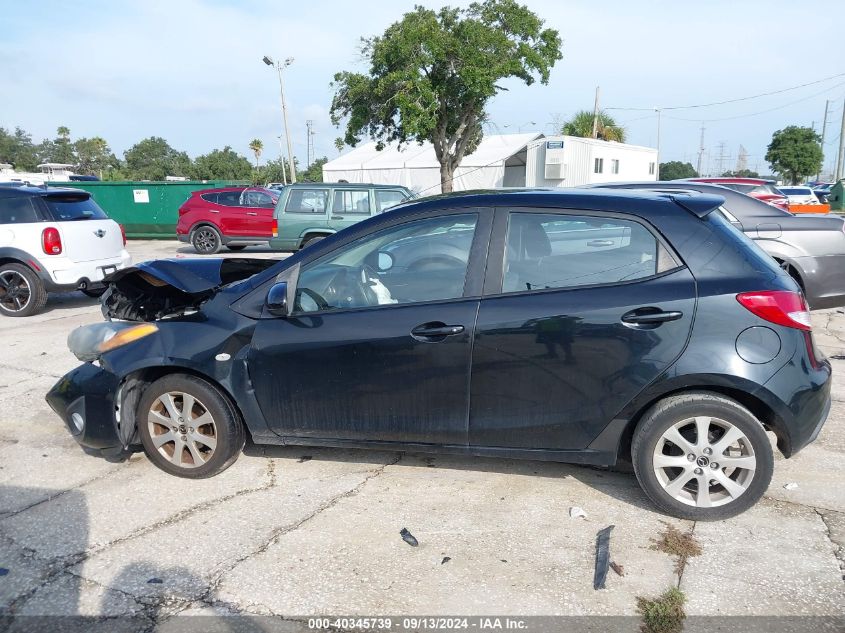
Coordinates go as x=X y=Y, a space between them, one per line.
x=577 y=326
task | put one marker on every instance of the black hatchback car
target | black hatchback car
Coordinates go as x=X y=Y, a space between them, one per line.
x=576 y=326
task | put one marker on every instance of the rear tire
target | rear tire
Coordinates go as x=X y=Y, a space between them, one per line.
x=236 y=247
x=22 y=293
x=206 y=240
x=310 y=240
x=690 y=476
x=188 y=428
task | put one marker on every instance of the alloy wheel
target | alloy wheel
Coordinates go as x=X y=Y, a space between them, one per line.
x=704 y=462
x=182 y=429
x=205 y=240
x=15 y=293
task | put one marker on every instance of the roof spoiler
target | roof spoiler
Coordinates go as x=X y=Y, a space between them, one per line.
x=700 y=205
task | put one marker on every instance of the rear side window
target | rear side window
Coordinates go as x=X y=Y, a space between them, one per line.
x=307 y=201
x=351 y=202
x=18 y=211
x=229 y=198
x=388 y=198
x=67 y=208
x=566 y=251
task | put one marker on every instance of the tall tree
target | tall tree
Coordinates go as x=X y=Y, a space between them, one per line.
x=257 y=147
x=93 y=156
x=795 y=153
x=222 y=164
x=432 y=74
x=62 y=149
x=17 y=149
x=739 y=173
x=153 y=159
x=314 y=173
x=675 y=169
x=581 y=124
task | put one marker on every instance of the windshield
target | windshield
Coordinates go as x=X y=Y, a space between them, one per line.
x=64 y=208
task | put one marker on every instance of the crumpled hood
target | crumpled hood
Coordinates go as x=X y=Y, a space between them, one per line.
x=167 y=288
x=196 y=274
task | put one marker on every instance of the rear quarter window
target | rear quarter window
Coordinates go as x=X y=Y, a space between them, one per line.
x=71 y=208
x=18 y=210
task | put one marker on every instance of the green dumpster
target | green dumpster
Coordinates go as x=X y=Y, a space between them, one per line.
x=836 y=199
x=146 y=209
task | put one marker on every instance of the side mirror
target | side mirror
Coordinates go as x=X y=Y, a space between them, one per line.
x=277 y=299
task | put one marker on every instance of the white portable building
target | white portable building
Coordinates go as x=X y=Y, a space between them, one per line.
x=570 y=161
x=498 y=161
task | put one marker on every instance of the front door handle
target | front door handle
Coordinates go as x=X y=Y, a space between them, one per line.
x=251 y=213
x=337 y=217
x=437 y=331
x=650 y=316
x=600 y=243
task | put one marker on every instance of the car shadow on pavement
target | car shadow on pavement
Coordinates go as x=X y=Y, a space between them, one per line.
x=68 y=301
x=186 y=250
x=618 y=482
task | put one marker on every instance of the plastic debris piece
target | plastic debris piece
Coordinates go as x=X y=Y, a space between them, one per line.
x=619 y=569
x=575 y=512
x=4 y=571
x=791 y=485
x=155 y=581
x=408 y=537
x=304 y=458
x=445 y=560
x=602 y=557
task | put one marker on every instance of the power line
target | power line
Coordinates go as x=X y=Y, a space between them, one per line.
x=757 y=96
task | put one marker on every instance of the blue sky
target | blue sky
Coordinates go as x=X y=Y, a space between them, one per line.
x=191 y=70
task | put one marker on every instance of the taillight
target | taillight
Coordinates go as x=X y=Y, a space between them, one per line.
x=782 y=307
x=123 y=233
x=51 y=241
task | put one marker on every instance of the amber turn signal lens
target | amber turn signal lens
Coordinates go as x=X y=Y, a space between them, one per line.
x=127 y=336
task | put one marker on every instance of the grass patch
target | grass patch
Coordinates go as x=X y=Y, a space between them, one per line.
x=681 y=545
x=664 y=614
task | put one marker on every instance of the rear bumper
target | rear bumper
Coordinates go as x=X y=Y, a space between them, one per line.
x=85 y=399
x=824 y=280
x=803 y=395
x=61 y=274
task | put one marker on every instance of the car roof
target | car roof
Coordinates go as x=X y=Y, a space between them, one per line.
x=32 y=191
x=633 y=201
x=733 y=181
x=345 y=185
x=220 y=189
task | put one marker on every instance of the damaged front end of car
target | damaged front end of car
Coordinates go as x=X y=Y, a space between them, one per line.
x=161 y=316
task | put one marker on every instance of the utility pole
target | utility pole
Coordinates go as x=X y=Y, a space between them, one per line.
x=840 y=157
x=309 y=124
x=721 y=158
x=282 y=161
x=279 y=67
x=824 y=133
x=657 y=165
x=596 y=115
x=700 y=150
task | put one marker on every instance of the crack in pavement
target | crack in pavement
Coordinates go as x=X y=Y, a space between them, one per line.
x=27 y=370
x=838 y=548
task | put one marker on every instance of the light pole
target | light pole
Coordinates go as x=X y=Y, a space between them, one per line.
x=657 y=166
x=279 y=66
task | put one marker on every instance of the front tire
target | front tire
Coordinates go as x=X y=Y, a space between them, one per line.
x=22 y=293
x=702 y=456
x=206 y=240
x=188 y=428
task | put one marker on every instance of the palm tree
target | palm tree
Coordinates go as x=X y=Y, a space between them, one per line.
x=257 y=147
x=581 y=124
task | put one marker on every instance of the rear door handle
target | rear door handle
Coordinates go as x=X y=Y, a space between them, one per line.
x=337 y=217
x=650 y=316
x=251 y=213
x=429 y=332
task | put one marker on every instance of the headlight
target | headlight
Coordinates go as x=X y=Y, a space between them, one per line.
x=89 y=342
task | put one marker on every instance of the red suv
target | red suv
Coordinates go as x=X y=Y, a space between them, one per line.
x=234 y=217
x=755 y=187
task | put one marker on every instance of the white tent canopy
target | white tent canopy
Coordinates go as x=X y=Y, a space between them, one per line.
x=415 y=166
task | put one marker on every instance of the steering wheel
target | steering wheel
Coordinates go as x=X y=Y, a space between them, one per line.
x=322 y=304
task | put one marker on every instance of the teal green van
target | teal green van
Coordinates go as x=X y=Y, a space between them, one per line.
x=307 y=212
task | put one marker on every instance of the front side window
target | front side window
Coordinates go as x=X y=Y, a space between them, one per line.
x=423 y=260
x=598 y=166
x=257 y=199
x=565 y=251
x=18 y=211
x=386 y=198
x=307 y=201
x=351 y=202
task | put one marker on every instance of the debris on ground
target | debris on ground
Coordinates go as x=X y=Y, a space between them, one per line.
x=4 y=571
x=602 y=557
x=791 y=485
x=445 y=560
x=682 y=545
x=575 y=512
x=664 y=614
x=619 y=569
x=304 y=458
x=155 y=581
x=408 y=537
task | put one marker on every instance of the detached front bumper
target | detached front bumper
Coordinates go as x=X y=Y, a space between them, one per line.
x=85 y=399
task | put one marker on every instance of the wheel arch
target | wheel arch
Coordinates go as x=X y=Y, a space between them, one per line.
x=755 y=402
x=201 y=223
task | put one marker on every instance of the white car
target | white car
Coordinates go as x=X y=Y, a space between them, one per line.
x=799 y=195
x=54 y=240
